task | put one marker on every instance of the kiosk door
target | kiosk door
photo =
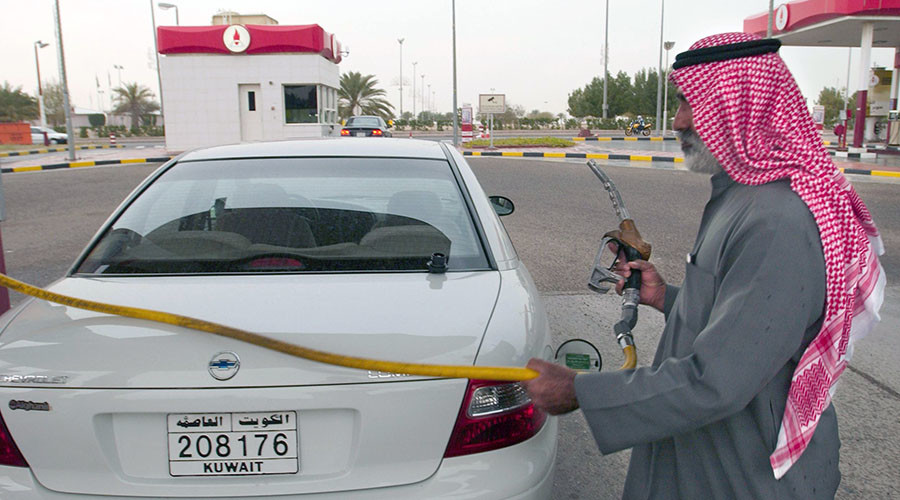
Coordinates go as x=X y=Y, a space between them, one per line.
x=251 y=116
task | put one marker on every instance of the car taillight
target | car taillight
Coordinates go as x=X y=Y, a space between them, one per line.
x=9 y=452
x=345 y=131
x=493 y=415
x=376 y=132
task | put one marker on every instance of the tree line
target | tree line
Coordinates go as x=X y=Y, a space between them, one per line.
x=131 y=99
x=626 y=96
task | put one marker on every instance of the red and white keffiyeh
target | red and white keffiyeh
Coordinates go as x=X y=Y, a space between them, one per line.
x=751 y=115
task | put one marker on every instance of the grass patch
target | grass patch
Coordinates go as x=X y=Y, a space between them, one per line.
x=546 y=142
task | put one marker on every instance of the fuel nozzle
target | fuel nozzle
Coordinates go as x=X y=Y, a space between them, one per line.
x=625 y=242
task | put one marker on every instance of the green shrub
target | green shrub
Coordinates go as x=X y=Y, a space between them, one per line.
x=83 y=133
x=552 y=142
x=97 y=120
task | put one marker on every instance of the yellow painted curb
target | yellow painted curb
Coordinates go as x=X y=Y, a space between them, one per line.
x=679 y=160
x=27 y=169
x=554 y=155
x=597 y=156
x=656 y=138
x=578 y=139
x=511 y=153
x=82 y=164
x=640 y=158
x=134 y=160
x=631 y=138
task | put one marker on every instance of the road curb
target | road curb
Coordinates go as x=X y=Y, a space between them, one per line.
x=585 y=156
x=55 y=150
x=604 y=139
x=79 y=164
x=874 y=173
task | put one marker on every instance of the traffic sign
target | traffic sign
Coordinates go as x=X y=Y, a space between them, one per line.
x=492 y=103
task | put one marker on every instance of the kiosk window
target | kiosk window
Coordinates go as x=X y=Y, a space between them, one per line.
x=251 y=101
x=300 y=104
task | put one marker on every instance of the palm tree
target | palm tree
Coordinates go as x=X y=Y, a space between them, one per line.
x=136 y=100
x=359 y=96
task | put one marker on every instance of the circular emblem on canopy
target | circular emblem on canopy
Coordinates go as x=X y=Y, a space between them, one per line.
x=224 y=365
x=782 y=16
x=236 y=38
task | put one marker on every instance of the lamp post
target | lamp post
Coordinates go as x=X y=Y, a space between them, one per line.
x=400 y=40
x=61 y=61
x=429 y=97
x=162 y=112
x=606 y=63
x=659 y=82
x=668 y=46
x=455 y=116
x=119 y=69
x=414 y=90
x=167 y=6
x=40 y=45
x=423 y=92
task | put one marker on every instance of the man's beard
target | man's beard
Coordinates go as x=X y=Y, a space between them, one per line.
x=697 y=157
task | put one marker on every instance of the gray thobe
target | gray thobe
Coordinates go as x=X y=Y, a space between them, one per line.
x=704 y=417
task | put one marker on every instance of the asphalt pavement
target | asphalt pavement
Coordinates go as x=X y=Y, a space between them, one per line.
x=560 y=209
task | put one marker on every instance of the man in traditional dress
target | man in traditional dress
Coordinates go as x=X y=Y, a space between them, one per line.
x=782 y=279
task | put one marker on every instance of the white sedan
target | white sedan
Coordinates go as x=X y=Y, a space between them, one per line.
x=329 y=244
x=53 y=137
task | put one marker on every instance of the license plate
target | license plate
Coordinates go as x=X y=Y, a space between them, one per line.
x=233 y=444
x=360 y=134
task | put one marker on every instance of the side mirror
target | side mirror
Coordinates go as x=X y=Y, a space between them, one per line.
x=502 y=205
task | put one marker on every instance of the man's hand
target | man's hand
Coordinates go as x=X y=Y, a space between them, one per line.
x=653 y=286
x=554 y=390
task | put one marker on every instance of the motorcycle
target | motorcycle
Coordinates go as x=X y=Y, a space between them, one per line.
x=635 y=128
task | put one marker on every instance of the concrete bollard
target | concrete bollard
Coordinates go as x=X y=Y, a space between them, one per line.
x=112 y=139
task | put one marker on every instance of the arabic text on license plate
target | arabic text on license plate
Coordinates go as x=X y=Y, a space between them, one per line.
x=232 y=444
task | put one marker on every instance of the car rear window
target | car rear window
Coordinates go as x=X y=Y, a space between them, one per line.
x=364 y=122
x=292 y=215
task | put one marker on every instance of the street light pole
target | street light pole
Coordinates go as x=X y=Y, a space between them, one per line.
x=659 y=82
x=40 y=45
x=769 y=23
x=119 y=68
x=455 y=116
x=162 y=111
x=167 y=6
x=61 y=58
x=606 y=63
x=423 y=92
x=400 y=40
x=668 y=46
x=414 y=90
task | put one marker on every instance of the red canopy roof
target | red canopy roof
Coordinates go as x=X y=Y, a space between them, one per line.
x=264 y=39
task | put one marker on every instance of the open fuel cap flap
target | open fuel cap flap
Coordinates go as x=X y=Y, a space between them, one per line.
x=579 y=355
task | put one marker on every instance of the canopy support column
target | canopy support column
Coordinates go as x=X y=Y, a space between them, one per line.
x=859 y=124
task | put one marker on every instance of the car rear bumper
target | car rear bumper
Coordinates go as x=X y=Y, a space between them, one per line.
x=523 y=472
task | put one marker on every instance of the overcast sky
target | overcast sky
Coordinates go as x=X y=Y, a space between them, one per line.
x=534 y=51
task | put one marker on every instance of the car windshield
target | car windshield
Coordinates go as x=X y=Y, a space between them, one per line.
x=364 y=121
x=292 y=215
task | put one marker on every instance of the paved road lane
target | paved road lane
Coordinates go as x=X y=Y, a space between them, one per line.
x=560 y=215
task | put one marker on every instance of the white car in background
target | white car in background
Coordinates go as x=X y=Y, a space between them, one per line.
x=324 y=244
x=54 y=137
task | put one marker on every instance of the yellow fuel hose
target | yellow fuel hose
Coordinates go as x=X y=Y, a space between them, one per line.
x=630 y=357
x=445 y=371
